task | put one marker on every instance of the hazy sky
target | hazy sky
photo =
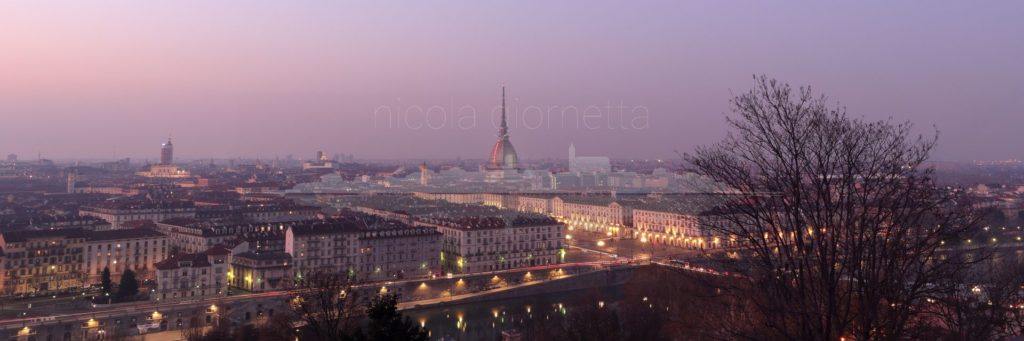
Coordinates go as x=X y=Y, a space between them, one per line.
x=422 y=79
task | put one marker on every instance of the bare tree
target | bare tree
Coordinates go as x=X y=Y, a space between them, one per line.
x=278 y=327
x=984 y=303
x=326 y=304
x=842 y=221
x=194 y=331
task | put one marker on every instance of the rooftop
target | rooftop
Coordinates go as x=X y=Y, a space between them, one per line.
x=263 y=256
x=692 y=204
x=468 y=216
x=353 y=222
x=26 y=235
x=122 y=234
x=140 y=205
x=192 y=260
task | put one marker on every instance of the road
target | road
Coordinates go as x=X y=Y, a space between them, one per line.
x=67 y=313
x=627 y=248
x=13 y=307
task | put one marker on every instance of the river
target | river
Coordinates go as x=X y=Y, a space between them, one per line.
x=486 y=320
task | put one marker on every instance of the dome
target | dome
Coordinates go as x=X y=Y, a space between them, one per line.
x=503 y=155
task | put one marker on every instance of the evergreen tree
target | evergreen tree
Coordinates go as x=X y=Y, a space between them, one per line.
x=387 y=324
x=105 y=281
x=129 y=286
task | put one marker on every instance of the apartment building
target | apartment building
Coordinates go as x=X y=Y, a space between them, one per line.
x=191 y=235
x=364 y=246
x=192 y=275
x=43 y=261
x=119 y=213
x=484 y=240
x=128 y=249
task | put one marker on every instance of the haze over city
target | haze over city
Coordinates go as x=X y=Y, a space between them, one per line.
x=537 y=170
x=92 y=80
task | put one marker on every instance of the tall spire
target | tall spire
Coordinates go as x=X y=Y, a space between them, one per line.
x=503 y=131
x=503 y=155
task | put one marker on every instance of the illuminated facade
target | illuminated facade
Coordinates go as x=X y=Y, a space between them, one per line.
x=680 y=221
x=166 y=167
x=366 y=247
x=164 y=171
x=476 y=237
x=672 y=220
x=457 y=198
x=501 y=200
x=42 y=261
x=671 y=228
x=192 y=275
x=192 y=235
x=260 y=272
x=118 y=250
x=534 y=204
x=488 y=243
x=593 y=214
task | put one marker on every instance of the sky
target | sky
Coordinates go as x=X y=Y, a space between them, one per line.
x=105 y=79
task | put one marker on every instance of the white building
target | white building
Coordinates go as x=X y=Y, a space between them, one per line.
x=679 y=220
x=588 y=164
x=597 y=213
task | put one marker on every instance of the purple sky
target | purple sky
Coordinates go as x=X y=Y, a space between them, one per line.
x=88 y=79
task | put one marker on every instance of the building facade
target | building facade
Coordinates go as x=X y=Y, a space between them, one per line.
x=366 y=247
x=117 y=214
x=191 y=235
x=167 y=153
x=118 y=250
x=260 y=272
x=488 y=243
x=594 y=214
x=45 y=261
x=192 y=276
x=680 y=220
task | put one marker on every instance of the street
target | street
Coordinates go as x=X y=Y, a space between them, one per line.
x=627 y=248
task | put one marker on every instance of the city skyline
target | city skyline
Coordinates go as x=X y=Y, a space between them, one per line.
x=92 y=82
x=462 y=170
